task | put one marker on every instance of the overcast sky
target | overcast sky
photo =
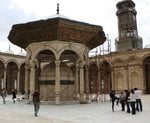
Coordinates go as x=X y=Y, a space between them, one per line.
x=98 y=12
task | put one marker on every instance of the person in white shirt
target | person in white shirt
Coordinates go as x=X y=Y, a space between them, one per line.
x=138 y=99
x=133 y=100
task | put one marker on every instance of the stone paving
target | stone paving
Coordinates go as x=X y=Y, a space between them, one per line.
x=79 y=113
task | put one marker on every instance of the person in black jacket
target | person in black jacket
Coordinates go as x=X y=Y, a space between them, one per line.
x=36 y=102
x=127 y=100
x=113 y=98
x=13 y=95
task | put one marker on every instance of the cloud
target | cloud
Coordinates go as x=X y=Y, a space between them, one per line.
x=99 y=12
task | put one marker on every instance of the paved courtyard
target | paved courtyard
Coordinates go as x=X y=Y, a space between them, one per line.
x=79 y=113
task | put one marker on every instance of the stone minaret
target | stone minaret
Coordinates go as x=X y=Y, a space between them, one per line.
x=128 y=38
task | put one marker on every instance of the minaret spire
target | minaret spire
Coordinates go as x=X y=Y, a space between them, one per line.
x=57 y=9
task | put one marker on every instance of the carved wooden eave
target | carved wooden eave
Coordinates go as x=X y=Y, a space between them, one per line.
x=57 y=29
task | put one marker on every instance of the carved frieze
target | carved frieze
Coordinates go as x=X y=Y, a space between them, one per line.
x=57 y=29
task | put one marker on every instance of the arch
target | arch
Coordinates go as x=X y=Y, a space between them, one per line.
x=135 y=80
x=105 y=76
x=145 y=56
x=11 y=76
x=93 y=78
x=12 y=61
x=119 y=62
x=2 y=60
x=80 y=55
x=146 y=71
x=21 y=63
x=133 y=60
x=43 y=48
x=22 y=78
x=68 y=59
x=120 y=83
x=2 y=69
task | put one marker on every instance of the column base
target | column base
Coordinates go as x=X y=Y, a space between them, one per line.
x=57 y=100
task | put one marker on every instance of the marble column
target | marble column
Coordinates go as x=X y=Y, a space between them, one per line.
x=27 y=81
x=4 y=84
x=77 y=80
x=87 y=81
x=82 y=98
x=32 y=80
x=18 y=80
x=57 y=82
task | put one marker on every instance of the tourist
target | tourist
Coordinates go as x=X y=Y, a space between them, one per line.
x=4 y=94
x=13 y=95
x=127 y=100
x=36 y=102
x=138 y=99
x=122 y=100
x=113 y=98
x=133 y=100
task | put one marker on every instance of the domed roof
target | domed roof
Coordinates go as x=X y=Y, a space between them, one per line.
x=57 y=28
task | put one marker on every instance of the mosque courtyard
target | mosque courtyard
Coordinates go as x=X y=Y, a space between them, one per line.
x=96 y=112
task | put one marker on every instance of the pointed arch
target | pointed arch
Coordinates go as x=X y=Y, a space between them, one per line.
x=93 y=77
x=120 y=83
x=146 y=70
x=135 y=80
x=11 y=76
x=105 y=76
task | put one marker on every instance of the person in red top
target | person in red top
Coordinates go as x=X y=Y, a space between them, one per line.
x=36 y=102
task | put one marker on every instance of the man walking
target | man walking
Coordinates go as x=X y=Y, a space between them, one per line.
x=36 y=102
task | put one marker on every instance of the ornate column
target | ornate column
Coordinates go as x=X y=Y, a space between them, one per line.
x=32 y=80
x=27 y=81
x=77 y=79
x=82 y=99
x=87 y=81
x=57 y=82
x=5 y=78
x=18 y=80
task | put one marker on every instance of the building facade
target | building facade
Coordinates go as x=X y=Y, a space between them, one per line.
x=58 y=65
x=12 y=72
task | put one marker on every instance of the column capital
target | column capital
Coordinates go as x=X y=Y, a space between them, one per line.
x=81 y=65
x=57 y=62
x=27 y=67
x=32 y=65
